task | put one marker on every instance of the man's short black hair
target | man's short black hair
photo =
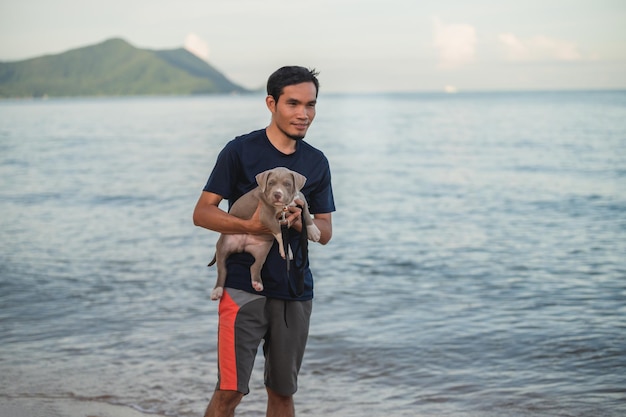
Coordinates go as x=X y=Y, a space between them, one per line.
x=290 y=75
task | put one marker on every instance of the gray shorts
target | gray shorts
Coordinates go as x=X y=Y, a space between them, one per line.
x=244 y=320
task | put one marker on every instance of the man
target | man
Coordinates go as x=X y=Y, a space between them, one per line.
x=276 y=315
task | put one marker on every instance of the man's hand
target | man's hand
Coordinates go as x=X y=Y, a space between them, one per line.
x=254 y=224
x=294 y=215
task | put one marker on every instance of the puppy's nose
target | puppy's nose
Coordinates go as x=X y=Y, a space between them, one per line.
x=278 y=195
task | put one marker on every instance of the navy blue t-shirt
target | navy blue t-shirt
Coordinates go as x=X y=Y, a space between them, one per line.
x=234 y=175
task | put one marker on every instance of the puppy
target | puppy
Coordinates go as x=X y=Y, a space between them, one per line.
x=277 y=189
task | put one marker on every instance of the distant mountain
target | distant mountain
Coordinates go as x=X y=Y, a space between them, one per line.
x=113 y=68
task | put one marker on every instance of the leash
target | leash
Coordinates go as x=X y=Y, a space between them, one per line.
x=304 y=254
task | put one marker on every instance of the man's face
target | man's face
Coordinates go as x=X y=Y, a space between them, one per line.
x=295 y=110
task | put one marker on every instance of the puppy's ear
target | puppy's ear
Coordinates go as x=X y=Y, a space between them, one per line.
x=298 y=180
x=261 y=179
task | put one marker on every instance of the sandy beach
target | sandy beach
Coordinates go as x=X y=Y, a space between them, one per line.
x=53 y=407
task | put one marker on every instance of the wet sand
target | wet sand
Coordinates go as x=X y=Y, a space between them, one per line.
x=53 y=407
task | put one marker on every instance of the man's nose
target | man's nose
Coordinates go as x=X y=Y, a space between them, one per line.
x=303 y=113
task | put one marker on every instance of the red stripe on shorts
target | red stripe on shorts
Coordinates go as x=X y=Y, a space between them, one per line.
x=227 y=358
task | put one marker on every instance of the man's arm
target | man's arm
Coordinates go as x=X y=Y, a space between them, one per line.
x=324 y=222
x=207 y=214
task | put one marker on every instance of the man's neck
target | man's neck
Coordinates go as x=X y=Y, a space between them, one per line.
x=280 y=141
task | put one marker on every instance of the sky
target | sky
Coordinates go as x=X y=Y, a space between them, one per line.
x=356 y=45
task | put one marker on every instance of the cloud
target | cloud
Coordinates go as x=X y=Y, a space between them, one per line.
x=538 y=48
x=198 y=47
x=455 y=44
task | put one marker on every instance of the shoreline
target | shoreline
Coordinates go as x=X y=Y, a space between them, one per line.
x=64 y=407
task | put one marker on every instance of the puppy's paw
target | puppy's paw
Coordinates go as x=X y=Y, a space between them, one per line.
x=257 y=285
x=288 y=255
x=217 y=292
x=313 y=233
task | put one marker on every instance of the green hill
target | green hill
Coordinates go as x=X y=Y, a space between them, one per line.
x=113 y=68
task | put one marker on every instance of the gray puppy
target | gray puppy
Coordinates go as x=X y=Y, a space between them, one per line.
x=277 y=189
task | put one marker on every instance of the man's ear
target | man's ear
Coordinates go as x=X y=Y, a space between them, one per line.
x=270 y=103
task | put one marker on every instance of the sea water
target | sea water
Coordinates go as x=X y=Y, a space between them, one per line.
x=477 y=266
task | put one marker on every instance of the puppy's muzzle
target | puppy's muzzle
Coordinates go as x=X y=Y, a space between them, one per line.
x=278 y=196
